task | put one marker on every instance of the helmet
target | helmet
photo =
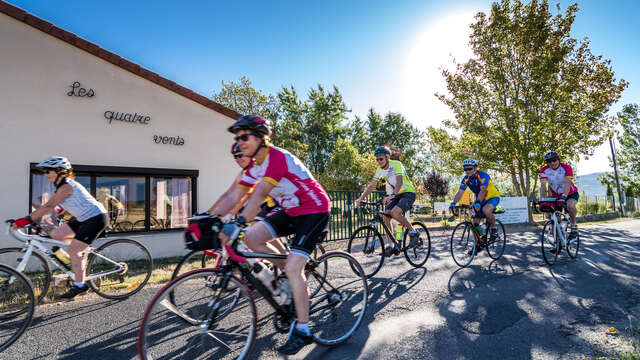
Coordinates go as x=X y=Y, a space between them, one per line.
x=470 y=162
x=251 y=122
x=551 y=155
x=235 y=149
x=382 y=150
x=55 y=162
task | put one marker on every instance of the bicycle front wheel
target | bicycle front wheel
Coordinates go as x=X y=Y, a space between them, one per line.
x=337 y=309
x=125 y=266
x=367 y=247
x=495 y=248
x=189 y=329
x=196 y=259
x=17 y=303
x=463 y=244
x=37 y=269
x=550 y=243
x=417 y=255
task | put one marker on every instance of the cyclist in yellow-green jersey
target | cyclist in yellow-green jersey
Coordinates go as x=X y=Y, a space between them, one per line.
x=401 y=199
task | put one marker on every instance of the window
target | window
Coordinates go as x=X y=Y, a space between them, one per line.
x=136 y=199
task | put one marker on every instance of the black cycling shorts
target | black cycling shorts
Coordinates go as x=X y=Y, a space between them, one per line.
x=89 y=230
x=307 y=229
x=404 y=201
x=265 y=210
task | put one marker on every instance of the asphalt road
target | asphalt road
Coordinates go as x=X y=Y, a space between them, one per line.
x=513 y=308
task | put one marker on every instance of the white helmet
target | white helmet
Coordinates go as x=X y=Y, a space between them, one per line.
x=55 y=162
x=470 y=162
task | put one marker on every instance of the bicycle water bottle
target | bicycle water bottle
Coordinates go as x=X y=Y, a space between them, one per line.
x=479 y=229
x=261 y=271
x=399 y=232
x=61 y=255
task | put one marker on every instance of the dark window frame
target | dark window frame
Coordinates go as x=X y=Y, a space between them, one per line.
x=94 y=171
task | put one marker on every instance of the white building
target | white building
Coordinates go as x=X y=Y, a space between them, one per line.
x=131 y=135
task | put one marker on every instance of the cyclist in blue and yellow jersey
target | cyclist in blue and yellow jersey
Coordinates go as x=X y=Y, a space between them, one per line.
x=400 y=200
x=487 y=196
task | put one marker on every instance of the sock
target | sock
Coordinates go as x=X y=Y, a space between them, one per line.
x=79 y=284
x=304 y=328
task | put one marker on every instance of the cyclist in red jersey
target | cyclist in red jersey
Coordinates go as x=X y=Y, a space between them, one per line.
x=305 y=213
x=557 y=178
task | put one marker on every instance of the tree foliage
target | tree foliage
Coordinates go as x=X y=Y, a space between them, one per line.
x=629 y=153
x=528 y=89
x=435 y=186
x=347 y=168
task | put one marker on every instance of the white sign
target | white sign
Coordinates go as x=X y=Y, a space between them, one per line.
x=516 y=210
x=441 y=206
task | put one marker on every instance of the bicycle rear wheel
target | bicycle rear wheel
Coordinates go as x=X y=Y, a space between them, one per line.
x=495 y=248
x=367 y=247
x=419 y=254
x=37 y=269
x=127 y=266
x=337 y=309
x=463 y=244
x=17 y=304
x=185 y=331
x=573 y=246
x=549 y=241
x=196 y=259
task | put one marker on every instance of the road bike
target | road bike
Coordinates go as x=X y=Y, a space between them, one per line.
x=17 y=304
x=554 y=235
x=367 y=246
x=465 y=238
x=117 y=269
x=207 y=319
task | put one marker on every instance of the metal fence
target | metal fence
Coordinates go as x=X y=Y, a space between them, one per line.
x=345 y=217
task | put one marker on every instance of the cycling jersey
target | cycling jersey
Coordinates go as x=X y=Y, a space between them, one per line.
x=480 y=178
x=555 y=178
x=296 y=190
x=394 y=169
x=80 y=204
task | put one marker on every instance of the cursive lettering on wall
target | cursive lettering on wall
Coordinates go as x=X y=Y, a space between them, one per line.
x=171 y=140
x=77 y=90
x=126 y=117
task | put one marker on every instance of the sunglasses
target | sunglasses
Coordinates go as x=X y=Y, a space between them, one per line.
x=237 y=156
x=380 y=159
x=244 y=137
x=468 y=168
x=551 y=160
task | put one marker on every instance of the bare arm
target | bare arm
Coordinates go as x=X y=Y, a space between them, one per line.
x=398 y=186
x=367 y=191
x=231 y=200
x=482 y=194
x=567 y=186
x=257 y=198
x=543 y=188
x=458 y=196
x=58 y=197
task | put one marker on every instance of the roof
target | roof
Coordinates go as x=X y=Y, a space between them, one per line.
x=112 y=58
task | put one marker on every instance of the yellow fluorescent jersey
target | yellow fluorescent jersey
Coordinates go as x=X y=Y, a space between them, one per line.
x=395 y=168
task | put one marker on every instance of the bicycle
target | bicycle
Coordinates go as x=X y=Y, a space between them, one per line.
x=154 y=224
x=554 y=234
x=208 y=320
x=367 y=246
x=464 y=247
x=117 y=269
x=17 y=304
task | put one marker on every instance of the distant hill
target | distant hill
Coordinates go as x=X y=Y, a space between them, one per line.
x=590 y=185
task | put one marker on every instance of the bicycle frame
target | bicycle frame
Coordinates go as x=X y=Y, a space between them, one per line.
x=558 y=217
x=377 y=219
x=36 y=243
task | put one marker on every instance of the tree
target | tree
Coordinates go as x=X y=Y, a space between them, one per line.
x=347 y=168
x=629 y=151
x=529 y=88
x=435 y=186
x=243 y=98
x=288 y=128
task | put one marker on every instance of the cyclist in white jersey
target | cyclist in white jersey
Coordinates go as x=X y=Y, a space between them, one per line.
x=557 y=178
x=90 y=216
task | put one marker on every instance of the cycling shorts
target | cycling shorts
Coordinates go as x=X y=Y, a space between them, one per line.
x=404 y=201
x=89 y=230
x=493 y=201
x=307 y=229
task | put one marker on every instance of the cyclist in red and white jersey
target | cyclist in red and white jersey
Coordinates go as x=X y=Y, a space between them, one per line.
x=557 y=178
x=305 y=213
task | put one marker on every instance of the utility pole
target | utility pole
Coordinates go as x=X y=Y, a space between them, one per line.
x=615 y=169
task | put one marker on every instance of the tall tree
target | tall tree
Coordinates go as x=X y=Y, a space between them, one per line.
x=435 y=186
x=289 y=127
x=629 y=153
x=347 y=168
x=528 y=89
x=243 y=98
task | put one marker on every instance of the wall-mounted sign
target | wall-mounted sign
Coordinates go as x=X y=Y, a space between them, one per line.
x=127 y=117
x=171 y=140
x=79 y=91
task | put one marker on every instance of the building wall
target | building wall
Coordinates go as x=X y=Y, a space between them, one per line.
x=39 y=119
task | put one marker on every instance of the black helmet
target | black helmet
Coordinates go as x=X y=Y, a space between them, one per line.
x=382 y=150
x=251 y=122
x=551 y=155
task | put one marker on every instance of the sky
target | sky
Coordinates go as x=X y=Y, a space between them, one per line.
x=385 y=55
